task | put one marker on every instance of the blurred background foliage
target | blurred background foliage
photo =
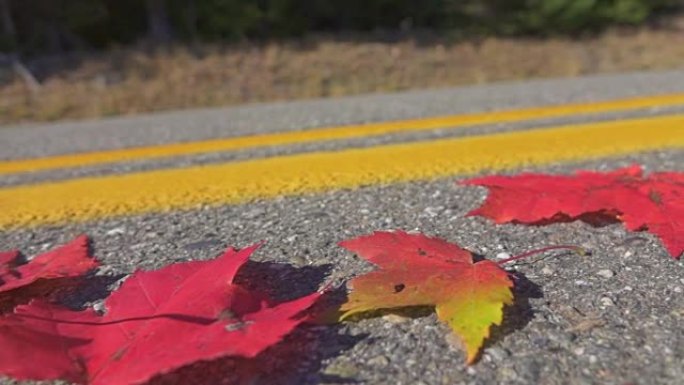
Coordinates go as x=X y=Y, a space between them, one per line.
x=53 y=26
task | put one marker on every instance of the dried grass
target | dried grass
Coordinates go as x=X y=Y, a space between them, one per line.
x=132 y=81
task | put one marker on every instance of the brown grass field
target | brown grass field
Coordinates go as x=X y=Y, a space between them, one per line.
x=130 y=81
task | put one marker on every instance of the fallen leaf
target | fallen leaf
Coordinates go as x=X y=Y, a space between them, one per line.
x=44 y=274
x=416 y=270
x=156 y=322
x=654 y=203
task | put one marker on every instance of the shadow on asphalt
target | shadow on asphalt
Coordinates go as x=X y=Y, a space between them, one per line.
x=517 y=315
x=298 y=359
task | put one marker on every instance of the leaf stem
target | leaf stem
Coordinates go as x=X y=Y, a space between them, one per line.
x=526 y=254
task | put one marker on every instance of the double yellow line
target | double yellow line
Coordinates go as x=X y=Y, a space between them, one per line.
x=335 y=133
x=91 y=198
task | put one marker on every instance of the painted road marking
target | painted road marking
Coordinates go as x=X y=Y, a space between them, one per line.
x=229 y=183
x=333 y=133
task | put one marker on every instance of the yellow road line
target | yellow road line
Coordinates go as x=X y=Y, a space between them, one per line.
x=331 y=133
x=85 y=199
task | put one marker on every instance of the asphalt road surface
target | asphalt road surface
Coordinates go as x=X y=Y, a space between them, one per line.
x=319 y=173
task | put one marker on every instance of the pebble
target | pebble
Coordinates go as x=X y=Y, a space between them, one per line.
x=605 y=273
x=251 y=214
x=116 y=231
x=298 y=260
x=379 y=361
x=547 y=271
x=395 y=318
x=497 y=354
x=432 y=211
x=507 y=373
x=502 y=255
x=606 y=302
x=341 y=369
x=99 y=306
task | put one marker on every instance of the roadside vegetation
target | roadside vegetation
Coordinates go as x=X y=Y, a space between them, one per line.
x=75 y=59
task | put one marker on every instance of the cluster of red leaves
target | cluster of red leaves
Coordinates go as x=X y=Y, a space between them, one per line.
x=145 y=320
x=654 y=203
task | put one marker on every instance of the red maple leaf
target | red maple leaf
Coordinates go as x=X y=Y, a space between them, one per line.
x=44 y=274
x=416 y=270
x=156 y=322
x=654 y=203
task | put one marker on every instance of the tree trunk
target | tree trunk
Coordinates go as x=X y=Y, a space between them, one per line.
x=159 y=27
x=10 y=31
x=6 y=19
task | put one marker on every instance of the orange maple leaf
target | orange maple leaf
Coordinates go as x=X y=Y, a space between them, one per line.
x=416 y=270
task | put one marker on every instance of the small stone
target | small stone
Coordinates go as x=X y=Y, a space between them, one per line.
x=606 y=302
x=116 y=231
x=628 y=254
x=605 y=273
x=291 y=238
x=395 y=318
x=251 y=214
x=379 y=361
x=496 y=354
x=471 y=371
x=298 y=260
x=547 y=271
x=507 y=373
x=432 y=211
x=341 y=369
x=502 y=255
x=99 y=306
x=593 y=359
x=578 y=351
x=580 y=282
x=104 y=270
